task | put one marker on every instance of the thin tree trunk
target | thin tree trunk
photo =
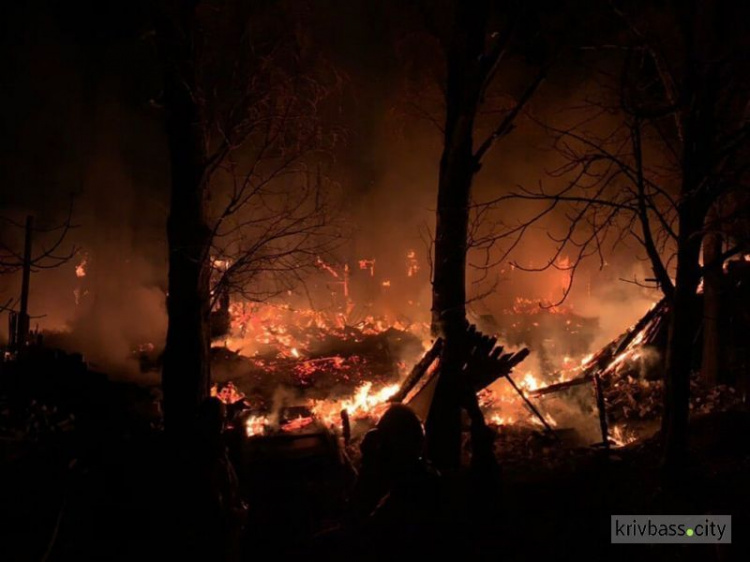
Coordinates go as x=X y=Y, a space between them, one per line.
x=682 y=339
x=698 y=126
x=712 y=280
x=186 y=375
x=23 y=314
x=449 y=305
x=457 y=168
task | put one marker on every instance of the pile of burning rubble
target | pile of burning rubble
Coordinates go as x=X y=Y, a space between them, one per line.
x=333 y=374
x=627 y=374
x=312 y=363
x=324 y=366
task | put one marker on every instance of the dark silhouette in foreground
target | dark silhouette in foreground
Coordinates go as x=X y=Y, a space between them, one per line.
x=398 y=501
x=219 y=506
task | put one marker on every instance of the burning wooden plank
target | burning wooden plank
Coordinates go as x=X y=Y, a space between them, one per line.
x=485 y=363
x=645 y=332
x=418 y=371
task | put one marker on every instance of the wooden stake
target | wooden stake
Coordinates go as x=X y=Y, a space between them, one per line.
x=602 y=407
x=23 y=315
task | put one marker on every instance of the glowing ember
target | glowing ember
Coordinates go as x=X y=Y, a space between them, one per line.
x=412 y=264
x=219 y=264
x=297 y=423
x=81 y=267
x=326 y=267
x=368 y=265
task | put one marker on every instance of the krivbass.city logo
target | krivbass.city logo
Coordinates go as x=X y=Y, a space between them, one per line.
x=686 y=529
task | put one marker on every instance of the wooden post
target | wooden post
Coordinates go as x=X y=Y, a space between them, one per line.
x=23 y=316
x=346 y=427
x=12 y=330
x=602 y=407
x=531 y=406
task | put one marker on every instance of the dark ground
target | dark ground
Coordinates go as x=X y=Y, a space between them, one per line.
x=92 y=486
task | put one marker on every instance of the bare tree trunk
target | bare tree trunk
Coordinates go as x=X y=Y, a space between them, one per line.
x=186 y=371
x=457 y=168
x=683 y=330
x=712 y=281
x=698 y=126
x=23 y=315
x=449 y=302
x=685 y=318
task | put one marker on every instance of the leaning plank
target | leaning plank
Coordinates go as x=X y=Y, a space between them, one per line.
x=418 y=371
x=487 y=370
x=557 y=387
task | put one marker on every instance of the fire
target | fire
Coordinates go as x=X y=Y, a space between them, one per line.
x=550 y=420
x=286 y=332
x=326 y=267
x=526 y=306
x=309 y=346
x=497 y=419
x=621 y=437
x=368 y=265
x=81 y=267
x=229 y=393
x=363 y=403
x=412 y=267
x=297 y=423
x=220 y=264
x=255 y=425
x=530 y=382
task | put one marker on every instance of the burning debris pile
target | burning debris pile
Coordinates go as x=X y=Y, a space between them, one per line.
x=304 y=369
x=627 y=378
x=282 y=331
x=529 y=322
x=300 y=368
x=631 y=371
x=320 y=364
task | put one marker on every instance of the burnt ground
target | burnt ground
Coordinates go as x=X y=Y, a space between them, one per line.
x=85 y=475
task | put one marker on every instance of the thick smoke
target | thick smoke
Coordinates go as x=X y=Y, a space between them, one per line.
x=395 y=214
x=105 y=143
x=92 y=136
